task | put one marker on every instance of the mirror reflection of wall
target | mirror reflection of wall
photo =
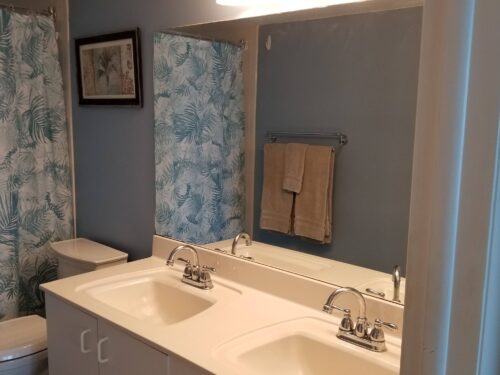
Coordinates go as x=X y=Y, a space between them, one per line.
x=356 y=74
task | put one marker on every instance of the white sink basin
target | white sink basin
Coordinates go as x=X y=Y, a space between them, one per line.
x=302 y=347
x=156 y=297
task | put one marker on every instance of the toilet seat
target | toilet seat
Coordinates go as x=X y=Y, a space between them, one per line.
x=22 y=337
x=31 y=364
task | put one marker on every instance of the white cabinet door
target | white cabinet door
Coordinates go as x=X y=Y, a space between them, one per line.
x=71 y=338
x=120 y=353
x=179 y=366
x=80 y=344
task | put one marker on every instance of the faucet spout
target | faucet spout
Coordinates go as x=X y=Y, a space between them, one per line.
x=245 y=236
x=329 y=306
x=191 y=249
x=396 y=279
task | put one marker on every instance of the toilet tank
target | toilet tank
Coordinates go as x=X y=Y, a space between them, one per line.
x=81 y=255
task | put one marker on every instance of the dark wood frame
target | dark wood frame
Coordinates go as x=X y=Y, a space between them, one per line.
x=135 y=36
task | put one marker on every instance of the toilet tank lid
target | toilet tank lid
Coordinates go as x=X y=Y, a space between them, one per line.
x=84 y=250
x=21 y=337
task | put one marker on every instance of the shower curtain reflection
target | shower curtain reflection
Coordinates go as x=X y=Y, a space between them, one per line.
x=199 y=138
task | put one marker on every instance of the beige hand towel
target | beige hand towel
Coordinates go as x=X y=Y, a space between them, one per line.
x=313 y=206
x=276 y=204
x=295 y=154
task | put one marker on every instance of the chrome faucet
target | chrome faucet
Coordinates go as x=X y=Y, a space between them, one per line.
x=193 y=275
x=359 y=334
x=396 y=279
x=245 y=236
x=173 y=253
x=360 y=328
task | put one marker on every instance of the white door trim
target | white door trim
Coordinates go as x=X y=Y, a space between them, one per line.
x=453 y=186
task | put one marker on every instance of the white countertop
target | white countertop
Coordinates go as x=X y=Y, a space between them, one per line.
x=195 y=339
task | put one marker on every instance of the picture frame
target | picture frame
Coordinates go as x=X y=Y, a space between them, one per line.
x=109 y=69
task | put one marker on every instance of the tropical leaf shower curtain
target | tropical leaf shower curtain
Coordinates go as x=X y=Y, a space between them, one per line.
x=199 y=139
x=35 y=183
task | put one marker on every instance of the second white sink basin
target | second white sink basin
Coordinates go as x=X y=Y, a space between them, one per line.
x=157 y=297
x=303 y=347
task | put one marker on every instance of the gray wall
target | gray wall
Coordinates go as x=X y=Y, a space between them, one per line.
x=114 y=155
x=356 y=74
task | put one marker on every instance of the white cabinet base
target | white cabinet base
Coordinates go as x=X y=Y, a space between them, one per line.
x=71 y=339
x=125 y=355
x=80 y=344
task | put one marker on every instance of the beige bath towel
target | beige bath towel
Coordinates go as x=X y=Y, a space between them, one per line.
x=295 y=154
x=313 y=206
x=276 y=204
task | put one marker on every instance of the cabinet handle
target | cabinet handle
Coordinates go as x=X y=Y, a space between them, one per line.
x=99 y=350
x=82 y=341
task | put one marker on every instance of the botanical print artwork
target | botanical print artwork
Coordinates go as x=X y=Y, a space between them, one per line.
x=199 y=139
x=35 y=177
x=107 y=69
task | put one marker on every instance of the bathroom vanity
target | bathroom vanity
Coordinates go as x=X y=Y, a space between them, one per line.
x=141 y=318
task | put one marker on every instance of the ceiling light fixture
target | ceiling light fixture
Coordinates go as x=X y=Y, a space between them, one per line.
x=253 y=8
x=246 y=3
x=284 y=3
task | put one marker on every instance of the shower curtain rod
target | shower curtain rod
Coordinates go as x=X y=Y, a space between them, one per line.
x=51 y=11
x=241 y=44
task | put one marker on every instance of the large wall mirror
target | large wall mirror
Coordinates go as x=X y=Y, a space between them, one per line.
x=346 y=76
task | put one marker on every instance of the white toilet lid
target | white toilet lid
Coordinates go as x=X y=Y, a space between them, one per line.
x=22 y=336
x=83 y=250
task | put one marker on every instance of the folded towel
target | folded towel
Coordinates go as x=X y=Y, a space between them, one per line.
x=313 y=206
x=295 y=154
x=276 y=204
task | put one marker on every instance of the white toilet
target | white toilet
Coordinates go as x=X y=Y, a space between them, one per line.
x=23 y=346
x=23 y=341
x=81 y=255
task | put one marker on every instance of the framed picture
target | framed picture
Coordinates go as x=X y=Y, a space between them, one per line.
x=109 y=69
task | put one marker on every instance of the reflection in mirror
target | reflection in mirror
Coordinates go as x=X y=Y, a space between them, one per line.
x=346 y=72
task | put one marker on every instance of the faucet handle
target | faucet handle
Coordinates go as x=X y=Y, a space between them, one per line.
x=205 y=277
x=377 y=333
x=205 y=273
x=379 y=323
x=188 y=268
x=207 y=268
x=346 y=323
